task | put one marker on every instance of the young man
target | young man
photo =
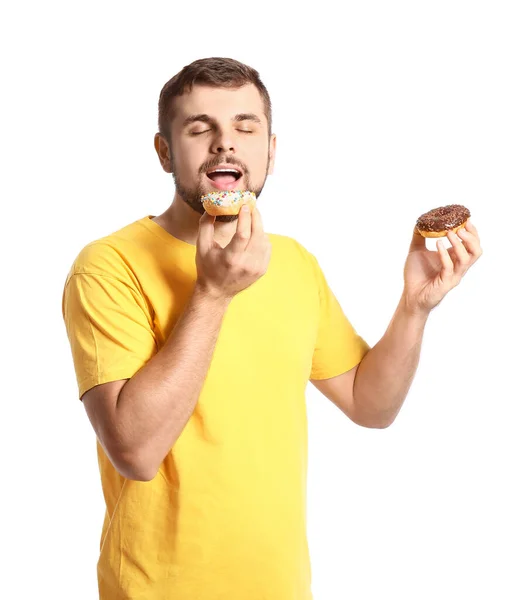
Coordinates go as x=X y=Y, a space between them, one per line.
x=193 y=340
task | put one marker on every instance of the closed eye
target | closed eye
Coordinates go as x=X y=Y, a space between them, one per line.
x=245 y=130
x=199 y=132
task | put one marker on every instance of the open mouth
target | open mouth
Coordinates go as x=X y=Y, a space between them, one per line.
x=224 y=178
x=224 y=175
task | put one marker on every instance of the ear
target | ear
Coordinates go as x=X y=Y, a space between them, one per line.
x=272 y=153
x=163 y=151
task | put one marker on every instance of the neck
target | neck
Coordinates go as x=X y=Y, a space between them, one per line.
x=182 y=222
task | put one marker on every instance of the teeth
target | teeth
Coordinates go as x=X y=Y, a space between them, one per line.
x=225 y=171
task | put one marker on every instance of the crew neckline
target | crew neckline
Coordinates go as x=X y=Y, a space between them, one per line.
x=160 y=232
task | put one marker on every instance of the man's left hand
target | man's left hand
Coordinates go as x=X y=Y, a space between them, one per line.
x=429 y=276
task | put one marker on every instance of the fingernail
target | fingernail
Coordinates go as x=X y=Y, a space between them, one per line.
x=245 y=209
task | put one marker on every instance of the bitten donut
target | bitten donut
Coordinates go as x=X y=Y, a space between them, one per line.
x=228 y=203
x=435 y=223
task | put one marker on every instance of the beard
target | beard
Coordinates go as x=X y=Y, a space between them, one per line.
x=192 y=196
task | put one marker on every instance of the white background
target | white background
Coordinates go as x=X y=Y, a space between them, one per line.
x=383 y=110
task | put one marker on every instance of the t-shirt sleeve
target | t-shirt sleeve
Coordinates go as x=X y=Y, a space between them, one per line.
x=339 y=347
x=109 y=328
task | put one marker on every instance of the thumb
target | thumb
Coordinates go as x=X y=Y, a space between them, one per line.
x=417 y=241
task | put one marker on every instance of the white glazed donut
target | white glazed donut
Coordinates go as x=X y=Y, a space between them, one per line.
x=228 y=203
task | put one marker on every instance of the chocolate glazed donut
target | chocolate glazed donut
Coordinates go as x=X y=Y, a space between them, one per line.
x=438 y=221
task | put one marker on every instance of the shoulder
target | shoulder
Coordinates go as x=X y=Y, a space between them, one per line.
x=290 y=246
x=107 y=256
x=290 y=249
x=296 y=261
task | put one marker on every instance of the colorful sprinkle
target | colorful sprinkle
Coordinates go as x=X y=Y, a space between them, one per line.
x=228 y=197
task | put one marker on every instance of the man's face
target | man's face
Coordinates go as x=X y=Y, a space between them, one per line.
x=220 y=129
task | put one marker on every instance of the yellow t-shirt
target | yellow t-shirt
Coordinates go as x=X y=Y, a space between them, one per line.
x=225 y=517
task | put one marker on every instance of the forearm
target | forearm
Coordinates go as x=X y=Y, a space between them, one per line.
x=156 y=403
x=385 y=374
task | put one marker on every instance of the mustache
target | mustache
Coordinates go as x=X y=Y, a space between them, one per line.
x=212 y=164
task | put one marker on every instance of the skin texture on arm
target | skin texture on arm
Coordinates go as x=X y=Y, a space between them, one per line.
x=339 y=390
x=374 y=391
x=386 y=372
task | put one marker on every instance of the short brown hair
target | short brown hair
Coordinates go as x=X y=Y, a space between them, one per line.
x=216 y=72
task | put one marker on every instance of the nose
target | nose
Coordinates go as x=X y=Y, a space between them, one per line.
x=223 y=142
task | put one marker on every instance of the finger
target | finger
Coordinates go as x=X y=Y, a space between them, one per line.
x=205 y=236
x=446 y=262
x=257 y=225
x=461 y=255
x=258 y=236
x=471 y=243
x=241 y=238
x=418 y=242
x=470 y=227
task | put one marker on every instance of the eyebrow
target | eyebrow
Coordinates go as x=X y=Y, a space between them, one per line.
x=203 y=118
x=247 y=117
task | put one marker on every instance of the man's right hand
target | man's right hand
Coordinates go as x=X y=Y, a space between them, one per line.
x=223 y=272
